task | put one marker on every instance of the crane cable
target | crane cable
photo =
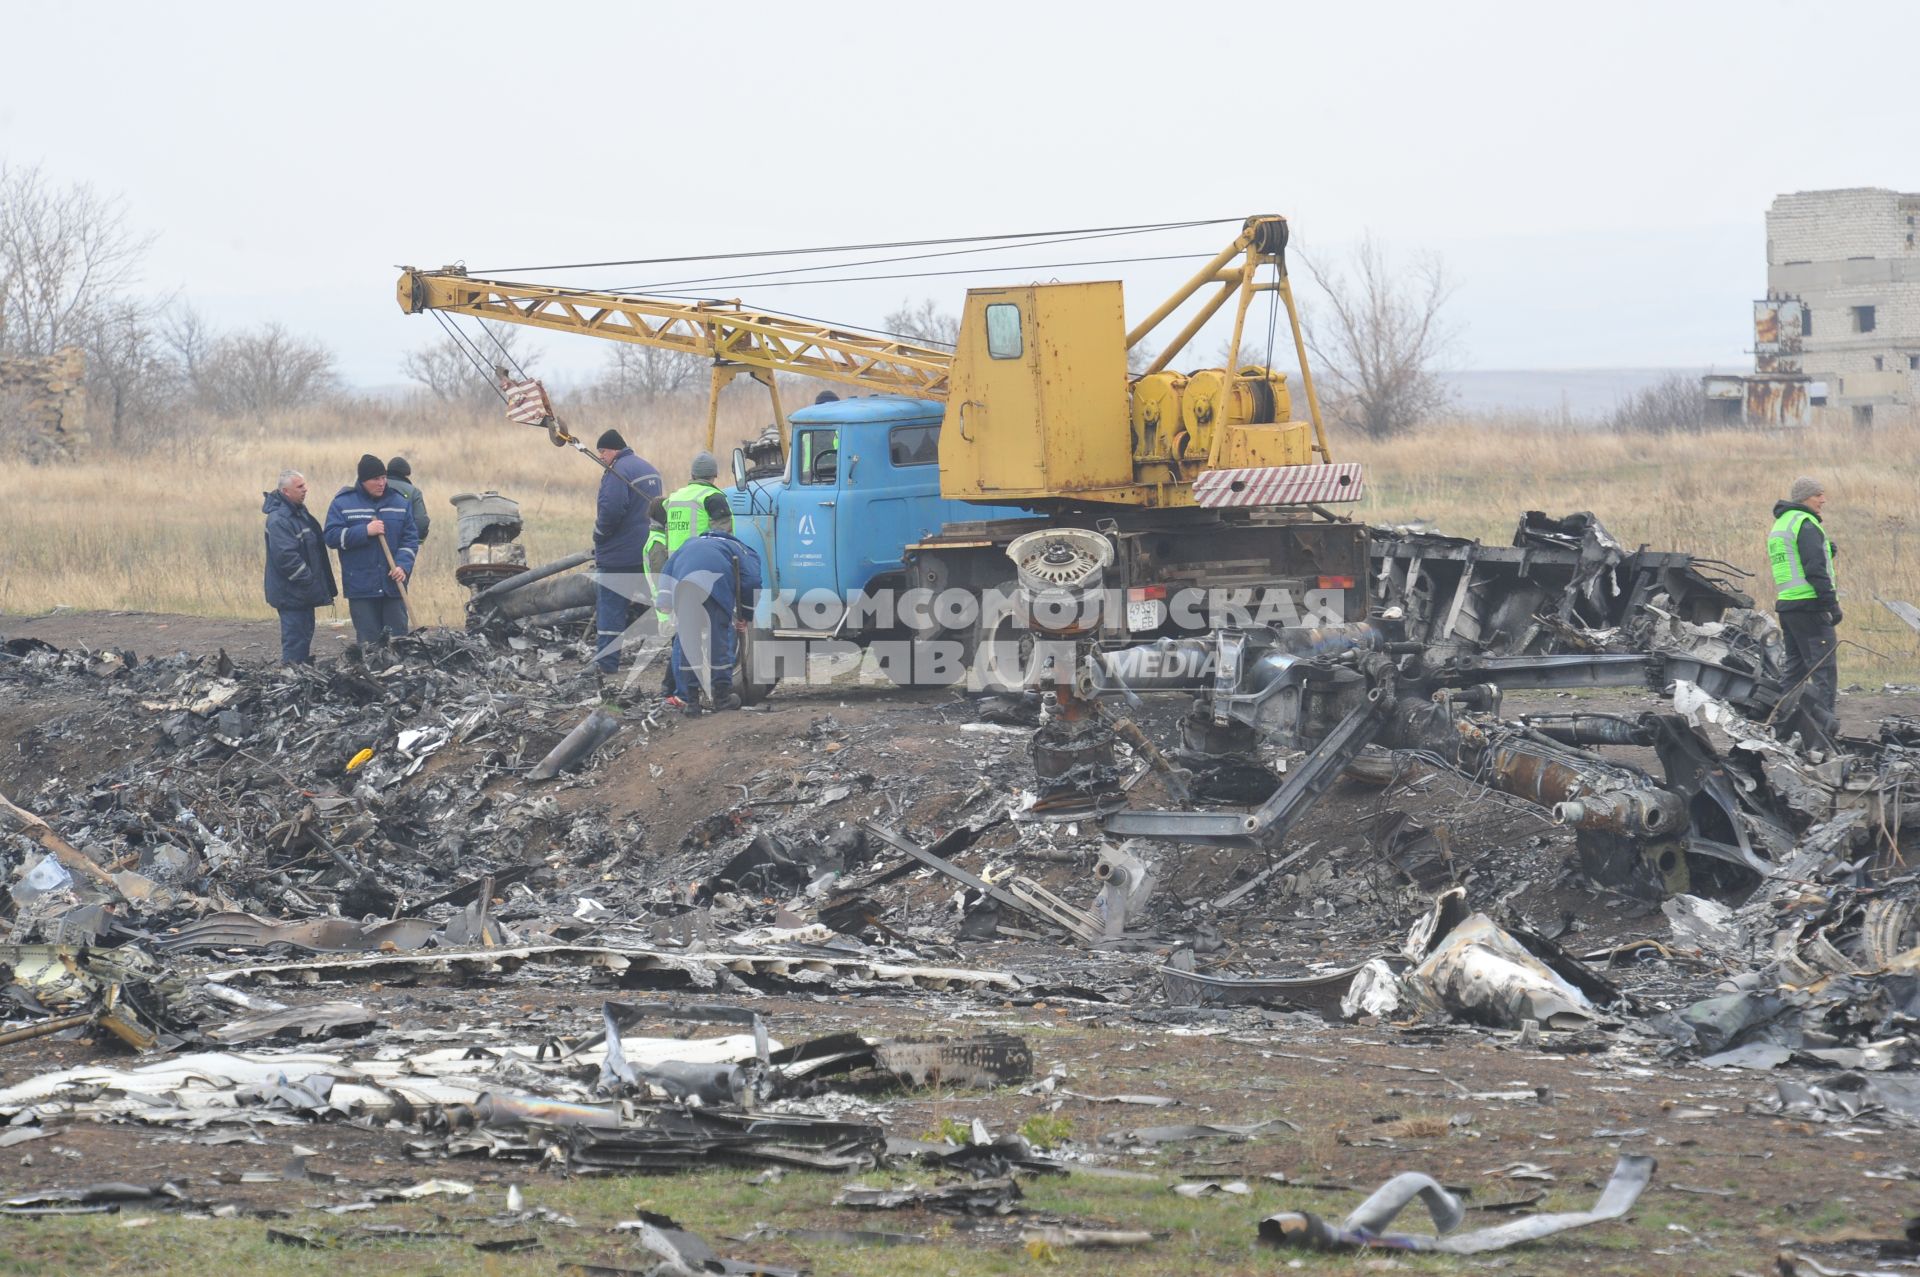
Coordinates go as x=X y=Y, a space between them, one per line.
x=916 y=274
x=870 y=261
x=468 y=347
x=556 y=432
x=859 y=248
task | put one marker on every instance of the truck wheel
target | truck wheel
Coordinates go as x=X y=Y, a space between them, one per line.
x=751 y=692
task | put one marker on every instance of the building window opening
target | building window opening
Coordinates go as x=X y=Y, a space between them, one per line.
x=1806 y=321
x=1863 y=319
x=1913 y=361
x=1879 y=363
x=1863 y=415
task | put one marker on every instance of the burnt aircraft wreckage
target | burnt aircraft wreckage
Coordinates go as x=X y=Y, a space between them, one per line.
x=1456 y=625
x=252 y=911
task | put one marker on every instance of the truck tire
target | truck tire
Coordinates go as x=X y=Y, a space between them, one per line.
x=1000 y=650
x=750 y=692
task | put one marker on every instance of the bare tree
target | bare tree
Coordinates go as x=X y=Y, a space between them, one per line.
x=649 y=372
x=265 y=370
x=1383 y=341
x=1672 y=405
x=65 y=253
x=132 y=386
x=924 y=322
x=190 y=342
x=1252 y=355
x=448 y=369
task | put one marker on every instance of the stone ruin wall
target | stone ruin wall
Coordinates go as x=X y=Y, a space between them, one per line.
x=43 y=404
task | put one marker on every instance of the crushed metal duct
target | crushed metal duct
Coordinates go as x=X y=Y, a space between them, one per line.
x=1366 y=1227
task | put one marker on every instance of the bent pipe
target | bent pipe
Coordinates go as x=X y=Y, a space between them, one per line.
x=499 y=591
x=554 y=595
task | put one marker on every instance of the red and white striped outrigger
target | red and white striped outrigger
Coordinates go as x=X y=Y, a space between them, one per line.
x=1322 y=484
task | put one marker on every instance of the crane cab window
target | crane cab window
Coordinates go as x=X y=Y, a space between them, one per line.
x=817 y=456
x=914 y=445
x=1003 y=331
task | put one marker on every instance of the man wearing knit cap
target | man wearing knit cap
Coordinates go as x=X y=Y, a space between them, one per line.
x=400 y=479
x=362 y=515
x=628 y=490
x=699 y=506
x=1801 y=555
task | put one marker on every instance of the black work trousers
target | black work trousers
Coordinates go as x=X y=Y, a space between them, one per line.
x=1813 y=658
x=374 y=620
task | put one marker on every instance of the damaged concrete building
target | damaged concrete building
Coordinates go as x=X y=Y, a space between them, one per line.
x=1839 y=327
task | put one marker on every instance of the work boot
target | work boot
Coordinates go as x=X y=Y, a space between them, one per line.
x=730 y=700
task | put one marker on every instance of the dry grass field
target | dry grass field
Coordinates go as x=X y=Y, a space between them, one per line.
x=178 y=529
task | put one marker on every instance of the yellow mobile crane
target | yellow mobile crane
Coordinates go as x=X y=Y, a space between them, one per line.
x=1036 y=392
x=1197 y=478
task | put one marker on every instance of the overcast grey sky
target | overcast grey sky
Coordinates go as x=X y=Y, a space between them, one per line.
x=1593 y=176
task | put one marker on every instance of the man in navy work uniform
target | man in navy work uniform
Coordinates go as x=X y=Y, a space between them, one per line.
x=360 y=513
x=715 y=578
x=299 y=574
x=1801 y=555
x=628 y=490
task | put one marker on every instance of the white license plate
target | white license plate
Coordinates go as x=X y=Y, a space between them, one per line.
x=1144 y=614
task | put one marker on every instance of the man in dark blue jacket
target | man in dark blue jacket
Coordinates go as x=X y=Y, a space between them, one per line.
x=360 y=517
x=299 y=576
x=628 y=490
x=715 y=578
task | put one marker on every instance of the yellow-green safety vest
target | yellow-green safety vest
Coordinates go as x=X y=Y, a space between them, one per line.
x=1783 y=553
x=687 y=513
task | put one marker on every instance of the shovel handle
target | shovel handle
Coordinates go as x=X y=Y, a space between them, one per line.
x=405 y=603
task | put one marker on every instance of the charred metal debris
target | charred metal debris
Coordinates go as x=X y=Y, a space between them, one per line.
x=436 y=817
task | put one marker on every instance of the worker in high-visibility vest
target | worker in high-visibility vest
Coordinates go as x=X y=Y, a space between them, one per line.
x=683 y=514
x=1801 y=555
x=693 y=510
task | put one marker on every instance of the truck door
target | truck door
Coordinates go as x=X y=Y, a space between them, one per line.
x=895 y=487
x=805 y=526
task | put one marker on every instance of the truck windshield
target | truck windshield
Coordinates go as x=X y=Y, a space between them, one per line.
x=817 y=456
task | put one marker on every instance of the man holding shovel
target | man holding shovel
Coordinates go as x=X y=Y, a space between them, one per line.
x=374 y=532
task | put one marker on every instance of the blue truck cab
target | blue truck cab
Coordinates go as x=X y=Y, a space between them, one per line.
x=862 y=483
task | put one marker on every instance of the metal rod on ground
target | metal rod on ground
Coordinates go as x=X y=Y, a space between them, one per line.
x=399 y=581
x=66 y=853
x=45 y=1027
